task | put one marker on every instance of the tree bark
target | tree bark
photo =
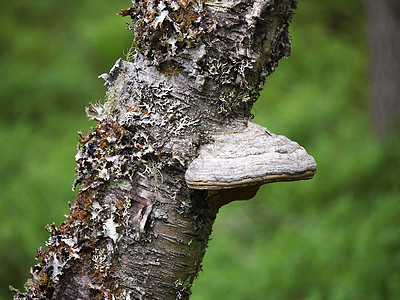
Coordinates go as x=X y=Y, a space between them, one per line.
x=135 y=230
x=384 y=37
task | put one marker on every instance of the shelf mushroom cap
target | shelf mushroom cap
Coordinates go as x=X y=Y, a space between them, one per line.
x=253 y=156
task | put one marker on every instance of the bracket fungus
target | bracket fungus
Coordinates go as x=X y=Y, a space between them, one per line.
x=235 y=164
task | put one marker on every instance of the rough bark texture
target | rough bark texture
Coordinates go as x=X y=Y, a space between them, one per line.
x=135 y=230
x=384 y=36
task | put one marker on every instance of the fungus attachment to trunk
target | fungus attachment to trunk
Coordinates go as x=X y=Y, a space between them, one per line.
x=235 y=164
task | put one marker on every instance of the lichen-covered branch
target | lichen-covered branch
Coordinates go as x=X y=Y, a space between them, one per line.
x=136 y=230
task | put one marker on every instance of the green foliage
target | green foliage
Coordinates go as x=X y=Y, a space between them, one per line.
x=334 y=237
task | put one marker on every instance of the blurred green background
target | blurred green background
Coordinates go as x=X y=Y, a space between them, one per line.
x=334 y=237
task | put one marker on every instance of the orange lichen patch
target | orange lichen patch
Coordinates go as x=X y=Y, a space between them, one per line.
x=85 y=199
x=78 y=215
x=126 y=12
x=170 y=68
x=133 y=108
x=105 y=131
x=41 y=284
x=137 y=109
x=84 y=138
x=98 y=297
x=185 y=16
x=120 y=205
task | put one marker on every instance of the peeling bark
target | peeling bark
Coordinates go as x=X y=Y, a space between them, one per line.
x=135 y=230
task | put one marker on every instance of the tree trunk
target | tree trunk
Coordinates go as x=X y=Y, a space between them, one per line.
x=384 y=36
x=135 y=230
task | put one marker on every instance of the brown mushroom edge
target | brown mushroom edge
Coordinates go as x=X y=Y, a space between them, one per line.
x=224 y=193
